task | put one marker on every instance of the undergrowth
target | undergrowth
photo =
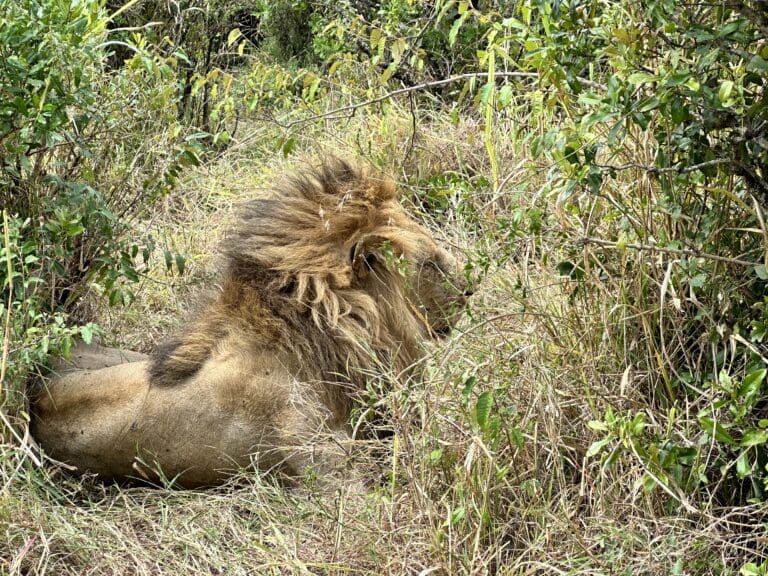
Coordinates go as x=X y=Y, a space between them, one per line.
x=515 y=455
x=601 y=407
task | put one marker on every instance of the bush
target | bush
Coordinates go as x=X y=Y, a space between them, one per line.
x=687 y=91
x=78 y=171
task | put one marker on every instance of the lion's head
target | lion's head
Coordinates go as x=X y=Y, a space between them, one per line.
x=335 y=245
x=329 y=266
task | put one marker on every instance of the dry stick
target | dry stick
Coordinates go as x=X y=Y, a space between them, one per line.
x=7 y=332
x=656 y=170
x=665 y=250
x=425 y=86
x=23 y=442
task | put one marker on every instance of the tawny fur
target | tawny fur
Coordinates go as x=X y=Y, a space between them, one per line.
x=326 y=280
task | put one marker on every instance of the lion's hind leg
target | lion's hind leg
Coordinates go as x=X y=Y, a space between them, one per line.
x=94 y=357
x=317 y=451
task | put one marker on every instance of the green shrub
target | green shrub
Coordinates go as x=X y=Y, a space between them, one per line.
x=78 y=170
x=676 y=99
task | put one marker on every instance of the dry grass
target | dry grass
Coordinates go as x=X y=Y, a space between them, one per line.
x=449 y=496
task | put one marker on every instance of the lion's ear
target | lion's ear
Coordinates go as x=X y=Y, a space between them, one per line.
x=364 y=254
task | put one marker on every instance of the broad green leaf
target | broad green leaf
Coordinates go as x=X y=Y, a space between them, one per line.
x=374 y=38
x=639 y=78
x=754 y=437
x=458 y=23
x=86 y=333
x=597 y=446
x=742 y=465
x=725 y=90
x=483 y=408
x=757 y=64
x=598 y=425
x=233 y=36
x=716 y=430
x=752 y=383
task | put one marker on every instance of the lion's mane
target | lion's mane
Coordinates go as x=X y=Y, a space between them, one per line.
x=298 y=277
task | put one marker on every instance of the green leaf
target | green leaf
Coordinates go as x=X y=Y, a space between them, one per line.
x=458 y=23
x=698 y=281
x=753 y=437
x=287 y=146
x=181 y=264
x=752 y=382
x=128 y=270
x=517 y=437
x=466 y=390
x=66 y=347
x=597 y=446
x=677 y=78
x=742 y=465
x=761 y=271
x=233 y=36
x=387 y=74
x=598 y=425
x=642 y=78
x=716 y=430
x=313 y=89
x=483 y=408
x=86 y=333
x=725 y=90
x=115 y=297
x=648 y=482
x=457 y=515
x=752 y=569
x=374 y=38
x=757 y=64
x=505 y=96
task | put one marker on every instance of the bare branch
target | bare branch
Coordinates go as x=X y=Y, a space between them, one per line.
x=666 y=250
x=678 y=168
x=349 y=110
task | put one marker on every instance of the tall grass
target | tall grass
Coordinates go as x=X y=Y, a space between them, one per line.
x=527 y=448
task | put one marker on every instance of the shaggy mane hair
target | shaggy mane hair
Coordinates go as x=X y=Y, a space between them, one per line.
x=309 y=272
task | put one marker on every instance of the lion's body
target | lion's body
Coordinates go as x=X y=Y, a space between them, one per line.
x=115 y=423
x=310 y=303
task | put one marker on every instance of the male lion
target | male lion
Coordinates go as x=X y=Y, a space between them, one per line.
x=326 y=279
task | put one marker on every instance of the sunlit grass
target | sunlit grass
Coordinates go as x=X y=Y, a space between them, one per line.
x=489 y=470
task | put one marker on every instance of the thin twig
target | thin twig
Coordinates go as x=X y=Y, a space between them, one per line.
x=408 y=89
x=349 y=110
x=666 y=250
x=679 y=169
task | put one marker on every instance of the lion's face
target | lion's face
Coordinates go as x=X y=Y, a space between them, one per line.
x=432 y=281
x=439 y=289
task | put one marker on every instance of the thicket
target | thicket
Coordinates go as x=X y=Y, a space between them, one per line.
x=87 y=147
x=669 y=96
x=647 y=127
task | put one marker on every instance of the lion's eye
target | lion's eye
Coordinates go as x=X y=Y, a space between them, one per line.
x=432 y=265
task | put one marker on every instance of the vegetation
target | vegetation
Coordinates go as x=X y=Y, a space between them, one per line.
x=600 y=164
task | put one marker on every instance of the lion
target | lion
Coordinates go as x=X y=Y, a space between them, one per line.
x=326 y=279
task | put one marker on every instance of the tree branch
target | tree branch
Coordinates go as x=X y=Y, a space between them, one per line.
x=679 y=169
x=665 y=250
x=349 y=110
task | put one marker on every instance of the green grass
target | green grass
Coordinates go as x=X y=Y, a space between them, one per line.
x=490 y=470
